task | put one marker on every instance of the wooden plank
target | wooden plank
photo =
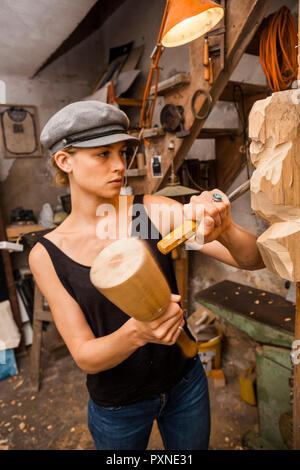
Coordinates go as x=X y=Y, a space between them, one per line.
x=209 y=133
x=11 y=287
x=296 y=371
x=128 y=102
x=253 y=47
x=248 y=89
x=171 y=84
x=263 y=306
x=16 y=231
x=229 y=160
x=153 y=132
x=136 y=172
x=35 y=354
x=258 y=331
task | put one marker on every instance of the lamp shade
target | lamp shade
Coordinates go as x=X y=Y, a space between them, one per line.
x=188 y=20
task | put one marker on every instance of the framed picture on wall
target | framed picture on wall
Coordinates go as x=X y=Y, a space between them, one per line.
x=19 y=131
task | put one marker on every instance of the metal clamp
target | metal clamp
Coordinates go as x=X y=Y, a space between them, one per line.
x=209 y=100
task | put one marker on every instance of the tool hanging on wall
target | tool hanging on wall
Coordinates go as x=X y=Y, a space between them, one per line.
x=209 y=52
x=172 y=120
x=207 y=63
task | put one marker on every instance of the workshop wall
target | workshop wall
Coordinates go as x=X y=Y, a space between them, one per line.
x=28 y=182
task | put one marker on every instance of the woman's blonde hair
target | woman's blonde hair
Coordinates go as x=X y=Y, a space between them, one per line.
x=61 y=178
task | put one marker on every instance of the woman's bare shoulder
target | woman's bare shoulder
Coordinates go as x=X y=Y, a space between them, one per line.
x=38 y=257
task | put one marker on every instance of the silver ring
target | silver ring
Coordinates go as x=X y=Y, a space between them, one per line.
x=216 y=198
x=180 y=328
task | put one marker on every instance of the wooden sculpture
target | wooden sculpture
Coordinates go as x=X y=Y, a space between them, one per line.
x=274 y=126
x=126 y=273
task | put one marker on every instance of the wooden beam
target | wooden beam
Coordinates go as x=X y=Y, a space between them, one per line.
x=11 y=287
x=128 y=102
x=248 y=89
x=171 y=84
x=230 y=160
x=296 y=368
x=209 y=133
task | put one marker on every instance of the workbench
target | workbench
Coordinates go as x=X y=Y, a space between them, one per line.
x=268 y=319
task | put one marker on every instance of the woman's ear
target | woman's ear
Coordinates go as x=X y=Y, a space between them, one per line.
x=63 y=161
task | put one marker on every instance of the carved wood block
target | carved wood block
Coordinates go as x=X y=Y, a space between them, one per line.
x=274 y=130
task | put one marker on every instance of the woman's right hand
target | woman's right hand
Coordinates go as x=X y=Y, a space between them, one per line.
x=163 y=330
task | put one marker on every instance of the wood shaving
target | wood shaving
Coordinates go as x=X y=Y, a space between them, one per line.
x=18 y=384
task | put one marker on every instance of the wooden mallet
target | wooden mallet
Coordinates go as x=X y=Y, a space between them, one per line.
x=126 y=273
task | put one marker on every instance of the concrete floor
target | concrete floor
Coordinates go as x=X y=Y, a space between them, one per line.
x=55 y=417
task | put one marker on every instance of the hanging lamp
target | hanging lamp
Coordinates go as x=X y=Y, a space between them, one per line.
x=187 y=20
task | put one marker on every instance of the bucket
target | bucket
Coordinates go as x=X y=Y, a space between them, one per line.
x=210 y=353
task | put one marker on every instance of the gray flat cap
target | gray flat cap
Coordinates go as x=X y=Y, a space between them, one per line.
x=86 y=124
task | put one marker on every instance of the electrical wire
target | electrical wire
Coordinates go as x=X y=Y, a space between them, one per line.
x=277 y=49
x=192 y=181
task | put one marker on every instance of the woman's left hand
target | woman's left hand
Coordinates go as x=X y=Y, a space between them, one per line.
x=213 y=217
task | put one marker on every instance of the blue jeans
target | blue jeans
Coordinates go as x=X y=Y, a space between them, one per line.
x=182 y=414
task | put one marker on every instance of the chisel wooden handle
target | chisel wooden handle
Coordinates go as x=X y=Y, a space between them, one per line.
x=188 y=228
x=177 y=237
x=205 y=53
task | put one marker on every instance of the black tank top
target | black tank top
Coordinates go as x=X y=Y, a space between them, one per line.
x=152 y=369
